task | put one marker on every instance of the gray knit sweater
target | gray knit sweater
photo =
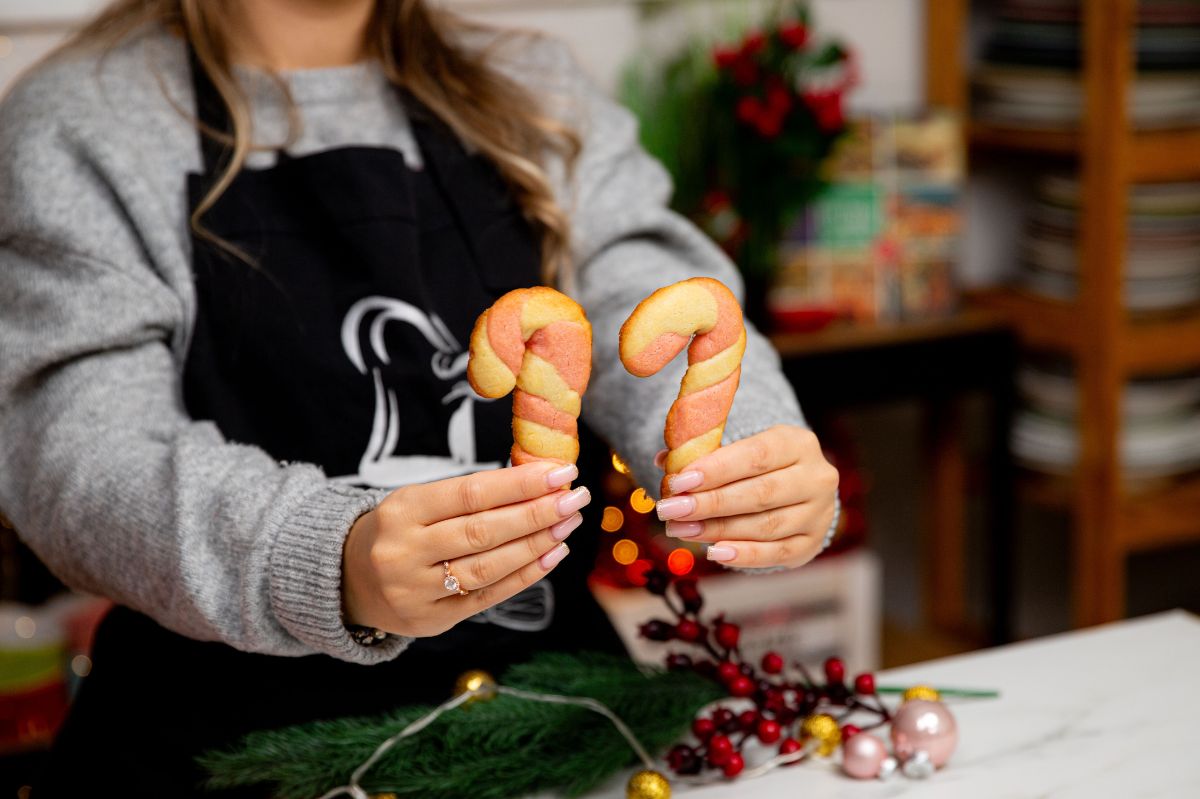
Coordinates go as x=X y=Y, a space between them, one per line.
x=102 y=471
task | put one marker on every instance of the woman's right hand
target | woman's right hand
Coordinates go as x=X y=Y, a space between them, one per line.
x=501 y=531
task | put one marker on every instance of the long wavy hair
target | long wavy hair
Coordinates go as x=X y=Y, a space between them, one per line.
x=420 y=49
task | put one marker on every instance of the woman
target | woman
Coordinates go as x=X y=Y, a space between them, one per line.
x=241 y=247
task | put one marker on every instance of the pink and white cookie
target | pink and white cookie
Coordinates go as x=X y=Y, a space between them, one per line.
x=704 y=316
x=537 y=343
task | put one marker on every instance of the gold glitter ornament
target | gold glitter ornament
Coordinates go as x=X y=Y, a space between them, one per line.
x=648 y=785
x=927 y=692
x=474 y=680
x=824 y=729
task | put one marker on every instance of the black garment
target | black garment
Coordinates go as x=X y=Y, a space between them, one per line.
x=283 y=357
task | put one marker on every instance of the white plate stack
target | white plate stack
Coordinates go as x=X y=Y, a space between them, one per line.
x=1162 y=267
x=1160 y=423
x=1051 y=99
x=1029 y=75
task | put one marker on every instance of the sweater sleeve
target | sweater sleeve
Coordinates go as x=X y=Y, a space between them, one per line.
x=627 y=243
x=102 y=472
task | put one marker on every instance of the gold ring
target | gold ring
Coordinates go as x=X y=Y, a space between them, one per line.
x=451 y=582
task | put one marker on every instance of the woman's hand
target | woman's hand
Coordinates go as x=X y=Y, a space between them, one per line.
x=501 y=531
x=767 y=500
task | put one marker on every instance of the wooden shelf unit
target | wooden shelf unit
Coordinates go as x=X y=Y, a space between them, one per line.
x=1154 y=155
x=1151 y=343
x=1111 y=520
x=985 y=136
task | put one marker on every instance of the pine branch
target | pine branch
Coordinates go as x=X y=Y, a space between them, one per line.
x=498 y=749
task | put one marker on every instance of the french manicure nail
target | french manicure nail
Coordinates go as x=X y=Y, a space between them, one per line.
x=684 y=529
x=721 y=553
x=685 y=481
x=553 y=557
x=675 y=507
x=564 y=528
x=557 y=478
x=574 y=501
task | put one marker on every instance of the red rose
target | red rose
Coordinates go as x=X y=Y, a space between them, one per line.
x=794 y=34
x=827 y=108
x=725 y=57
x=779 y=99
x=749 y=109
x=769 y=125
x=754 y=43
x=745 y=71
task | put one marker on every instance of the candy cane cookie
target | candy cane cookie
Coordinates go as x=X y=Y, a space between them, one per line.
x=705 y=313
x=538 y=342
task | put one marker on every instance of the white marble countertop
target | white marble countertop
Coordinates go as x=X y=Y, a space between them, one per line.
x=1110 y=711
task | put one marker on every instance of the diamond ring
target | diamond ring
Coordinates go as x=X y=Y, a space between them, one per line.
x=451 y=582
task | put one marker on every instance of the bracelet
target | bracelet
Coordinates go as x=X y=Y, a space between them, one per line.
x=833 y=526
x=366 y=636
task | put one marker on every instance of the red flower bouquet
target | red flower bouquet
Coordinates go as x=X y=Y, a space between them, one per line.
x=744 y=128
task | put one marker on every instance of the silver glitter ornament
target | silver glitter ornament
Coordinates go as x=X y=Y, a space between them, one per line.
x=887 y=769
x=918 y=766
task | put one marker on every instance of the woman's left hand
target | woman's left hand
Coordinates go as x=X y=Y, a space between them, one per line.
x=767 y=500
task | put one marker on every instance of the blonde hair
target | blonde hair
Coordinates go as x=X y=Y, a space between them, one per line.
x=419 y=50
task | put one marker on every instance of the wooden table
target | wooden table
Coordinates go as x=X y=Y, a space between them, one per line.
x=1106 y=712
x=937 y=361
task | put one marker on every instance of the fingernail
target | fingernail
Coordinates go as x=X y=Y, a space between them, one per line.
x=553 y=557
x=574 y=501
x=660 y=460
x=675 y=507
x=685 y=481
x=557 y=478
x=684 y=529
x=564 y=528
x=721 y=553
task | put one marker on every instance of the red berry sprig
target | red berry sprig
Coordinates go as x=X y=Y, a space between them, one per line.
x=782 y=698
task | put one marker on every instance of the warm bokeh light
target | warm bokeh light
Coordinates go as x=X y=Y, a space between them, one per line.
x=625 y=552
x=619 y=464
x=640 y=501
x=612 y=520
x=681 y=561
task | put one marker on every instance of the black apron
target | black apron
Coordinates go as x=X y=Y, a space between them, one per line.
x=343 y=345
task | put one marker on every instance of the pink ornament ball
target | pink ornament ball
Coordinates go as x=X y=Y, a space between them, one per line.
x=862 y=756
x=921 y=725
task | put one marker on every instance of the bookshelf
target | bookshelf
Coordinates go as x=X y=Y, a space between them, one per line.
x=1108 y=344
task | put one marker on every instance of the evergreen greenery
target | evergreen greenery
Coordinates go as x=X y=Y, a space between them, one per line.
x=496 y=749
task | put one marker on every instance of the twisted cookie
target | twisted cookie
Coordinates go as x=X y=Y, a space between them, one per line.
x=658 y=329
x=539 y=342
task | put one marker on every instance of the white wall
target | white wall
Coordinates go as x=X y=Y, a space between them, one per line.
x=605 y=34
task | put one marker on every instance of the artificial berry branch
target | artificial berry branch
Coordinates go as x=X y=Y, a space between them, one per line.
x=792 y=711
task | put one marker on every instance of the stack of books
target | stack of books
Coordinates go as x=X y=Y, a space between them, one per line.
x=881 y=240
x=1162 y=266
x=1030 y=71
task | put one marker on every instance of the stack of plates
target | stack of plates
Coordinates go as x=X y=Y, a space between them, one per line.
x=1030 y=72
x=1160 y=428
x=1162 y=267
